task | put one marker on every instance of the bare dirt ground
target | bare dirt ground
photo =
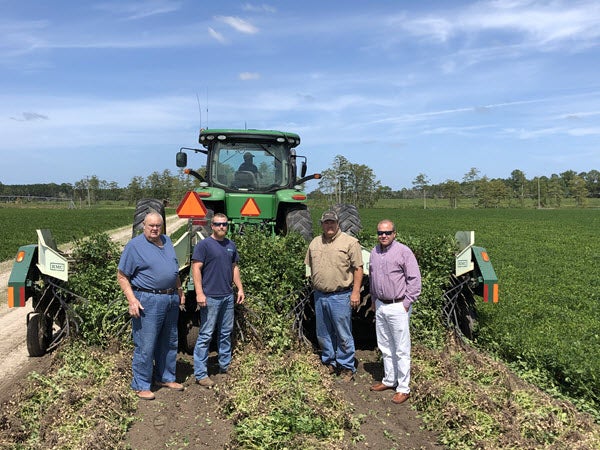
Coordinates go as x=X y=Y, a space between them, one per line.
x=192 y=419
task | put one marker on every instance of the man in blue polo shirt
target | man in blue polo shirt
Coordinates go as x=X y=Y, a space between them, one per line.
x=214 y=268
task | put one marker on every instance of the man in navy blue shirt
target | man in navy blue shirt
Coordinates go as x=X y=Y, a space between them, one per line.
x=148 y=274
x=214 y=268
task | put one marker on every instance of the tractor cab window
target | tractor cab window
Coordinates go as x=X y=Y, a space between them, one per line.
x=249 y=166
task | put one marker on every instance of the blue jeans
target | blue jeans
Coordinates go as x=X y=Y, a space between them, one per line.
x=217 y=313
x=154 y=340
x=334 y=329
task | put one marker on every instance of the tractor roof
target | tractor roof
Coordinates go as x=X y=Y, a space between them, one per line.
x=209 y=134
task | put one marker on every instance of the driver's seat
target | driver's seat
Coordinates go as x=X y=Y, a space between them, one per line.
x=244 y=179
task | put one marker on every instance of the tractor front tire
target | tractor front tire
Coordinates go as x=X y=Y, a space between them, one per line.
x=143 y=207
x=39 y=333
x=349 y=218
x=299 y=221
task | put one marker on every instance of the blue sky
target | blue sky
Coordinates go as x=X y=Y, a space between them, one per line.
x=111 y=88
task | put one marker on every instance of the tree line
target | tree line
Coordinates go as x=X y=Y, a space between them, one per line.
x=343 y=182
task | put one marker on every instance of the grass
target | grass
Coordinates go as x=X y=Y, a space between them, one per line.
x=18 y=224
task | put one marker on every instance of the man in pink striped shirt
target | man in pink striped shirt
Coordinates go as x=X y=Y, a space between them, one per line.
x=395 y=283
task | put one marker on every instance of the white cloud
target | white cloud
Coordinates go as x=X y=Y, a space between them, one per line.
x=538 y=23
x=249 y=76
x=238 y=24
x=216 y=35
x=258 y=8
x=140 y=9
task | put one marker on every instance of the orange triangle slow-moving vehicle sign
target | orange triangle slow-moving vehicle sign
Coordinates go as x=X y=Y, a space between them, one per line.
x=191 y=206
x=250 y=208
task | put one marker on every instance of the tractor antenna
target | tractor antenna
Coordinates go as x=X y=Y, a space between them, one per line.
x=199 y=109
x=206 y=107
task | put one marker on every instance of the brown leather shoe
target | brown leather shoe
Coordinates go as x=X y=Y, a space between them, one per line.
x=400 y=397
x=381 y=387
x=331 y=369
x=346 y=375
x=171 y=385
x=145 y=395
x=205 y=382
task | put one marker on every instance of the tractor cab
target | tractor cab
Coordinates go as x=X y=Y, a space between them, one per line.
x=248 y=166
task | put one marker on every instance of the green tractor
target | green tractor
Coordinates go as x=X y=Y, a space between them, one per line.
x=255 y=178
x=251 y=176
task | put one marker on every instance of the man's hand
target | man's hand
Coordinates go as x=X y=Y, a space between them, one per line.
x=240 y=296
x=354 y=300
x=201 y=301
x=134 y=308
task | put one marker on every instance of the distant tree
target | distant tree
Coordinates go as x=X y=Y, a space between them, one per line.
x=592 y=182
x=334 y=181
x=451 y=191
x=421 y=182
x=135 y=190
x=517 y=182
x=363 y=185
x=492 y=193
x=566 y=178
x=346 y=182
x=469 y=182
x=556 y=191
x=578 y=190
x=159 y=185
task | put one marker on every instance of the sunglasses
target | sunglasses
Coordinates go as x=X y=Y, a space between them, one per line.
x=382 y=233
x=220 y=224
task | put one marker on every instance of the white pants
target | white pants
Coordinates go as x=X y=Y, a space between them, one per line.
x=393 y=340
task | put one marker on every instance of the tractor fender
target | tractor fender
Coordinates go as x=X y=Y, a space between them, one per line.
x=18 y=281
x=290 y=196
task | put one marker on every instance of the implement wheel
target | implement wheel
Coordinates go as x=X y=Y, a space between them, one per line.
x=39 y=333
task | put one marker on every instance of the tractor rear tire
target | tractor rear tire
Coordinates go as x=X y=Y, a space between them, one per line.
x=349 y=218
x=143 y=207
x=39 y=333
x=299 y=221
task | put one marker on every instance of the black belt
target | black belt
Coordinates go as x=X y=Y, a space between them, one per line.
x=155 y=291
x=339 y=291
x=389 y=302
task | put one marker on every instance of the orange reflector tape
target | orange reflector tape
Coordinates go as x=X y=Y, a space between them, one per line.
x=485 y=256
x=495 y=298
x=299 y=197
x=11 y=300
x=19 y=296
x=250 y=208
x=20 y=256
x=191 y=206
x=204 y=194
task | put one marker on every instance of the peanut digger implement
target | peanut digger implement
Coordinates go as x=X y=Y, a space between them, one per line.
x=40 y=273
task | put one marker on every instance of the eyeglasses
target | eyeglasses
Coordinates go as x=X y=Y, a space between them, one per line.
x=386 y=233
x=220 y=224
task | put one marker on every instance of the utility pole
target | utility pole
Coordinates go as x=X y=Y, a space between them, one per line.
x=87 y=179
